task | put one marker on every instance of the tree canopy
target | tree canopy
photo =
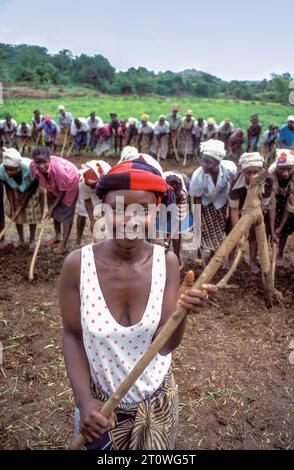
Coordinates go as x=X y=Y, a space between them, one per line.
x=34 y=66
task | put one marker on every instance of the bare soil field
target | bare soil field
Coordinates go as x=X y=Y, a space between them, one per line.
x=234 y=377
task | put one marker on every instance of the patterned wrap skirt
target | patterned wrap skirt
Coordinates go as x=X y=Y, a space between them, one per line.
x=33 y=212
x=149 y=425
x=213 y=226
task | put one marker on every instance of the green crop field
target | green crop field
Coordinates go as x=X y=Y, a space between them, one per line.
x=82 y=101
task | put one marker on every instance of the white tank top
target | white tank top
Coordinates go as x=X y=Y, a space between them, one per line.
x=112 y=349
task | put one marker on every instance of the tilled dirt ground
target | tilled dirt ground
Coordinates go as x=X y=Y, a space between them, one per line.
x=235 y=380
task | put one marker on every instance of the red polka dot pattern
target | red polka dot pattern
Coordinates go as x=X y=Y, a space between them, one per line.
x=113 y=348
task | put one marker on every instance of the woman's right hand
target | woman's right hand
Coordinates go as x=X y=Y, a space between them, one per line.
x=93 y=424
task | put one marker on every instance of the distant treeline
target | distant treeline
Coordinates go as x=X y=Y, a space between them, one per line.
x=33 y=65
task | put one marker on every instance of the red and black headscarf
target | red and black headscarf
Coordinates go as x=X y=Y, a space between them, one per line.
x=135 y=175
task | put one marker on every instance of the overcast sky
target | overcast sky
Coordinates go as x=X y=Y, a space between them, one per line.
x=227 y=38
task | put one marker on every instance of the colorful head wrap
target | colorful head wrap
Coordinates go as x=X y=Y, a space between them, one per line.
x=94 y=169
x=175 y=107
x=284 y=157
x=90 y=175
x=11 y=158
x=213 y=148
x=134 y=175
x=144 y=117
x=249 y=160
x=189 y=112
x=47 y=118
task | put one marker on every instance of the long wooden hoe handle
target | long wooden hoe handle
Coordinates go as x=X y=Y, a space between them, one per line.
x=174 y=144
x=34 y=258
x=64 y=144
x=11 y=221
x=274 y=262
x=186 y=150
x=70 y=150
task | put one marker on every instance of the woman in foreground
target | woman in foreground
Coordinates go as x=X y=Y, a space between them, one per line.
x=115 y=297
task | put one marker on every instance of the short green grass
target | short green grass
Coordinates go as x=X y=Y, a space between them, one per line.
x=83 y=101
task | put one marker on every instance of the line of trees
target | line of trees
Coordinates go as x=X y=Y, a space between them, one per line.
x=24 y=64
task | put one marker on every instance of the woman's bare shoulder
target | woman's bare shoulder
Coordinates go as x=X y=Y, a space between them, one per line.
x=72 y=264
x=172 y=261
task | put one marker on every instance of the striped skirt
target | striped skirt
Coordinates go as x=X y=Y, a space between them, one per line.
x=149 y=425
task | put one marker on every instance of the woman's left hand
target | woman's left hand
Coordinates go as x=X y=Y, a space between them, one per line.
x=193 y=299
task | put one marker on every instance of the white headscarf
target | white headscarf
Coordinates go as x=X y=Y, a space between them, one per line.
x=253 y=159
x=131 y=153
x=132 y=121
x=12 y=157
x=214 y=148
